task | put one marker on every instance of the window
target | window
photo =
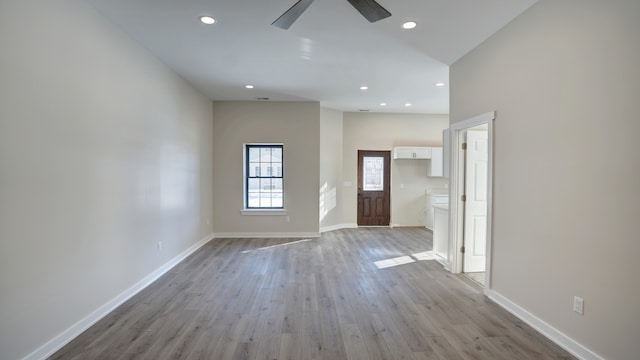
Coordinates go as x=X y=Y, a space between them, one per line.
x=373 y=173
x=264 y=176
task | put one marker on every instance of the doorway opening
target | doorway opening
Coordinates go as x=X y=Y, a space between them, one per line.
x=471 y=181
x=374 y=189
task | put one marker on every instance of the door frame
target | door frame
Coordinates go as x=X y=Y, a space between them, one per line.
x=456 y=205
x=386 y=154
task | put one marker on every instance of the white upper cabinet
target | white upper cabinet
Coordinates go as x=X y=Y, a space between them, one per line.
x=435 y=166
x=412 y=152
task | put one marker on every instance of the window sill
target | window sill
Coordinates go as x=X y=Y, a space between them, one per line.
x=263 y=212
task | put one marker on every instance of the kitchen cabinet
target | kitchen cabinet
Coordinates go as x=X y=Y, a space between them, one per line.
x=435 y=197
x=434 y=168
x=441 y=232
x=412 y=152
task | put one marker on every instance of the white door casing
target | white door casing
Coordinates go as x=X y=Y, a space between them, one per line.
x=475 y=213
x=456 y=205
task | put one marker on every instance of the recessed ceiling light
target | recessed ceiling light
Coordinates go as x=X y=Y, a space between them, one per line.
x=439 y=84
x=249 y=86
x=207 y=20
x=409 y=25
x=383 y=104
x=364 y=88
x=407 y=104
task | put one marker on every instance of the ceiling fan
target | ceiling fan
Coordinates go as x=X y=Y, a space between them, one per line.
x=370 y=9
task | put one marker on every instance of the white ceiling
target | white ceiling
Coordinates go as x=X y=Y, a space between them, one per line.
x=328 y=53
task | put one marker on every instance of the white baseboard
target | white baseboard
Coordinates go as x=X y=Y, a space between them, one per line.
x=443 y=262
x=553 y=334
x=338 y=227
x=78 y=328
x=264 y=235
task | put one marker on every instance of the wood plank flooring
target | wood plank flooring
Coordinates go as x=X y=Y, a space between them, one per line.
x=319 y=298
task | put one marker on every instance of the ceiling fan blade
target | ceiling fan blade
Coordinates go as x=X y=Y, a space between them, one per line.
x=290 y=16
x=370 y=9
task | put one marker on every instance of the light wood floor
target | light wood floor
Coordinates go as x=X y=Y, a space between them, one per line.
x=312 y=299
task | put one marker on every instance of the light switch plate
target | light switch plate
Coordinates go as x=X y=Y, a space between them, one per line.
x=578 y=305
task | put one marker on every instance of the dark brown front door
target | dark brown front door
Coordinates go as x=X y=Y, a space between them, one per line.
x=374 y=201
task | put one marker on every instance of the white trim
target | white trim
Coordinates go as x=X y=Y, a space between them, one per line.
x=455 y=211
x=576 y=349
x=474 y=121
x=338 y=227
x=265 y=235
x=78 y=328
x=455 y=208
x=442 y=261
x=263 y=212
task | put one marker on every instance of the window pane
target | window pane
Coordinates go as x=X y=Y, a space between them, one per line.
x=265 y=200
x=265 y=185
x=373 y=170
x=265 y=154
x=276 y=185
x=276 y=200
x=277 y=169
x=253 y=200
x=254 y=154
x=254 y=185
x=276 y=155
x=254 y=169
x=265 y=169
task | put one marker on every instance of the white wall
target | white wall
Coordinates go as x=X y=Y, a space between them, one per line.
x=564 y=80
x=383 y=131
x=297 y=126
x=330 y=168
x=103 y=153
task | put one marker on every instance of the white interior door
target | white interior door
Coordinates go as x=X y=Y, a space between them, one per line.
x=475 y=214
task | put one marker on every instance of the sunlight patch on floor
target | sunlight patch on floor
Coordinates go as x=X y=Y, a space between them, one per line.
x=425 y=255
x=402 y=260
x=383 y=264
x=275 y=246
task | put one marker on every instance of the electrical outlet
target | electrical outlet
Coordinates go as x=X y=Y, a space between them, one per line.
x=287 y=219
x=159 y=246
x=578 y=305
